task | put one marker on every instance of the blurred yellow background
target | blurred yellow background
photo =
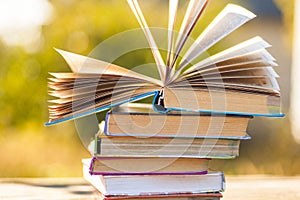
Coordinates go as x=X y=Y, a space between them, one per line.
x=30 y=29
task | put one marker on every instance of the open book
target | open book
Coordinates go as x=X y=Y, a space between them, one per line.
x=238 y=80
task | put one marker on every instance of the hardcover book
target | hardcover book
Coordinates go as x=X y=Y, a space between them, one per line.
x=172 y=147
x=146 y=166
x=141 y=185
x=237 y=80
x=204 y=196
x=140 y=120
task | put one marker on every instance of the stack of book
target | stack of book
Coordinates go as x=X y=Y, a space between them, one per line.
x=140 y=153
x=200 y=109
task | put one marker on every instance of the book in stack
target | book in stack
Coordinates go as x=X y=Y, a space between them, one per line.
x=200 y=109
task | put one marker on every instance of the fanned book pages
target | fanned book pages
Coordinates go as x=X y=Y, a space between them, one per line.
x=239 y=80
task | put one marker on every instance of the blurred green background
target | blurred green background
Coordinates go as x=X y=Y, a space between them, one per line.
x=28 y=149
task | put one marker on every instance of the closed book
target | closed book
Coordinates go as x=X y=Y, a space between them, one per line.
x=136 y=119
x=203 y=196
x=115 y=146
x=146 y=166
x=136 y=185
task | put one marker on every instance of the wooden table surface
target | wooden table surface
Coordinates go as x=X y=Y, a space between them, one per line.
x=238 y=187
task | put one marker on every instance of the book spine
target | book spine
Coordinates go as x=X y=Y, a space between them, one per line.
x=91 y=167
x=223 y=186
x=97 y=148
x=147 y=173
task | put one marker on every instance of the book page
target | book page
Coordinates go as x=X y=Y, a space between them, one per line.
x=253 y=88
x=155 y=51
x=241 y=81
x=192 y=15
x=83 y=98
x=246 y=59
x=80 y=109
x=231 y=18
x=74 y=84
x=71 y=78
x=173 y=4
x=83 y=64
x=257 y=71
x=247 y=72
x=262 y=55
x=252 y=45
x=73 y=92
x=216 y=69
